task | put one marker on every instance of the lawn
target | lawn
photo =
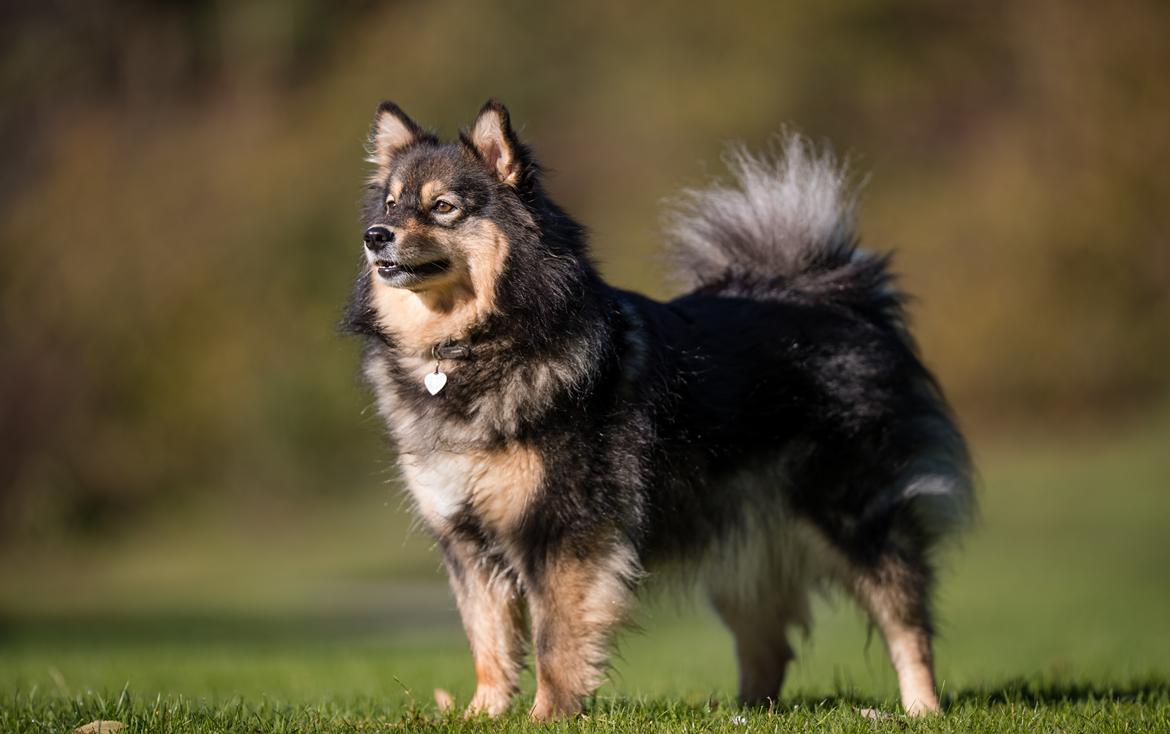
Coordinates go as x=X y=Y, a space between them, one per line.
x=1054 y=616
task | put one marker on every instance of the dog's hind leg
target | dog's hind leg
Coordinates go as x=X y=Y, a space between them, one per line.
x=762 y=650
x=896 y=593
x=492 y=609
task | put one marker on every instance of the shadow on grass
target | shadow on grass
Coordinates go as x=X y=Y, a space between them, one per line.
x=1020 y=691
x=1145 y=689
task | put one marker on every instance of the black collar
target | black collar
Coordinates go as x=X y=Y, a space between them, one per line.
x=450 y=349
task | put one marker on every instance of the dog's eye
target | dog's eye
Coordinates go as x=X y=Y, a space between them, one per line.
x=389 y=205
x=443 y=207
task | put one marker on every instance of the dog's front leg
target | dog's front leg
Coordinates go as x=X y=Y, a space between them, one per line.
x=577 y=604
x=492 y=609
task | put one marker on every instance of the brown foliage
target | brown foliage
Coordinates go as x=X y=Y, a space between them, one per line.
x=179 y=193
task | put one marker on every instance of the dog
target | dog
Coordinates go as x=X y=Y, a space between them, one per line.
x=770 y=432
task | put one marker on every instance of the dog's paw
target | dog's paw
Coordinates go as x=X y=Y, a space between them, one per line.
x=488 y=702
x=549 y=708
x=444 y=701
x=874 y=714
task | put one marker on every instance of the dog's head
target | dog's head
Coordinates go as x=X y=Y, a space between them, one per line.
x=435 y=212
x=457 y=232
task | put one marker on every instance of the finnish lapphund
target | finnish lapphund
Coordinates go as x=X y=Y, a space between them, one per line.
x=769 y=432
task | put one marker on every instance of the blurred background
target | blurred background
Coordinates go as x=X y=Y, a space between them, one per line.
x=186 y=453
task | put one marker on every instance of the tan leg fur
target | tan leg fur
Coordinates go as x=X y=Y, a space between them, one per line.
x=492 y=609
x=576 y=609
x=897 y=603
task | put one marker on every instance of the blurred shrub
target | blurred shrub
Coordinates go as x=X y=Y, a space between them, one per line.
x=179 y=202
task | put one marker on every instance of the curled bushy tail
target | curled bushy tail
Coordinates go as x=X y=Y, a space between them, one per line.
x=783 y=227
x=785 y=220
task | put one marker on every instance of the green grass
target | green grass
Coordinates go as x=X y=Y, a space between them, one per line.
x=1021 y=708
x=1054 y=618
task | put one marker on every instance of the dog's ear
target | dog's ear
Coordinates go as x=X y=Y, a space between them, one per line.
x=492 y=139
x=391 y=132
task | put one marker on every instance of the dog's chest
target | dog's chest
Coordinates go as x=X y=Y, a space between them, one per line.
x=497 y=486
x=456 y=465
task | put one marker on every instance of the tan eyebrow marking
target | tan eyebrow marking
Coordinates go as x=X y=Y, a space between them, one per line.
x=429 y=191
x=395 y=188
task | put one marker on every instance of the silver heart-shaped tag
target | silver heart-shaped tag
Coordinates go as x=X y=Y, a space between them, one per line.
x=435 y=381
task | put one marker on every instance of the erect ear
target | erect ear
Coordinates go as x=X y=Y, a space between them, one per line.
x=497 y=146
x=391 y=132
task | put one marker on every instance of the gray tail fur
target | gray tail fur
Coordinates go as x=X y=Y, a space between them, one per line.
x=784 y=220
x=784 y=227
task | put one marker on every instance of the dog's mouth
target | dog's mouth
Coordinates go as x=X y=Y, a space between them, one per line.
x=396 y=272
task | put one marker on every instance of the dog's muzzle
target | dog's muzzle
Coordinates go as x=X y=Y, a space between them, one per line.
x=399 y=267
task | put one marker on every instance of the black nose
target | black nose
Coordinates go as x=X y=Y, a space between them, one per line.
x=377 y=237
